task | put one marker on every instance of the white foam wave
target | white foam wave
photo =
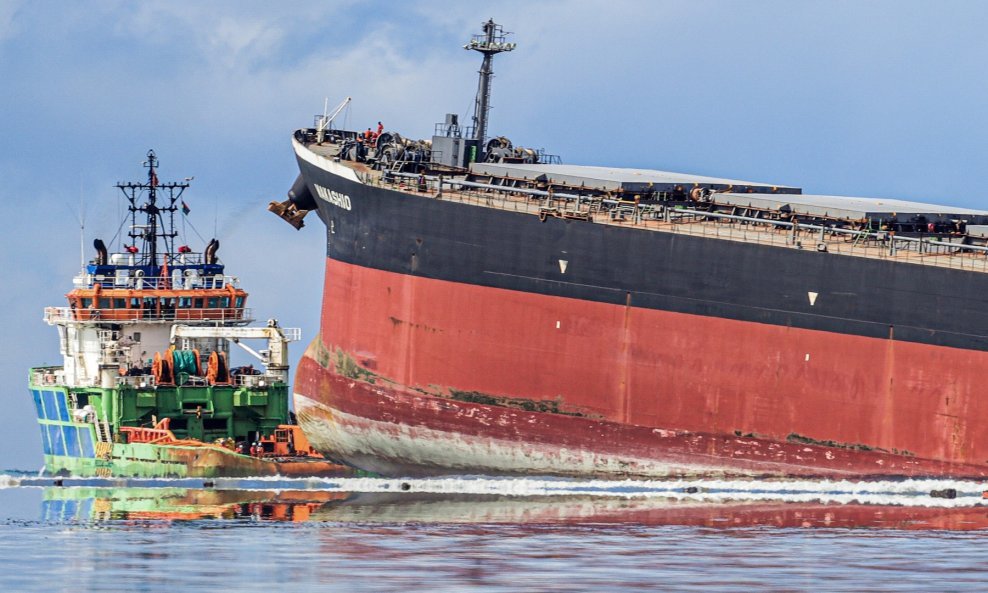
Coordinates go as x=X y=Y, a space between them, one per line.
x=8 y=481
x=905 y=492
x=909 y=492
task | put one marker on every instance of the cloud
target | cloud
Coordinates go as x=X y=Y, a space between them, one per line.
x=220 y=34
x=8 y=12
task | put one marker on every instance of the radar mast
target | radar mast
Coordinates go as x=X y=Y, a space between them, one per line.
x=149 y=233
x=490 y=42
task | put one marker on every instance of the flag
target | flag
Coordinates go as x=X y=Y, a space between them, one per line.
x=154 y=178
x=185 y=208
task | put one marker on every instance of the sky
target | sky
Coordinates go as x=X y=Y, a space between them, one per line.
x=883 y=98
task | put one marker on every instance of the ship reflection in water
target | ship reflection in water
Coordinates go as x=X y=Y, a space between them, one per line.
x=492 y=535
x=949 y=508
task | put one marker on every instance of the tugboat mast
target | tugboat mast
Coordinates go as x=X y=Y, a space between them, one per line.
x=489 y=43
x=149 y=232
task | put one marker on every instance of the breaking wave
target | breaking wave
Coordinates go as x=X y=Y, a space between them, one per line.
x=906 y=492
x=912 y=492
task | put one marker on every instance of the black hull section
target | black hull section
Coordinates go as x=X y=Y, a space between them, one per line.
x=421 y=235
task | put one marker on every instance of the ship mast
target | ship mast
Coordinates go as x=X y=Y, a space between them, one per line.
x=489 y=43
x=149 y=233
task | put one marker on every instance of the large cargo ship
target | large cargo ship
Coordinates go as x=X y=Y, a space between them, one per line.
x=487 y=309
x=145 y=388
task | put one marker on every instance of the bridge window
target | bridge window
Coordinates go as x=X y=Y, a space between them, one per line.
x=85 y=302
x=198 y=303
x=104 y=303
x=119 y=303
x=214 y=424
x=240 y=302
x=184 y=302
x=225 y=302
x=213 y=302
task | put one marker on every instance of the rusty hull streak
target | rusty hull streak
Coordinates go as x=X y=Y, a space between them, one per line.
x=518 y=403
x=798 y=438
x=347 y=365
x=382 y=427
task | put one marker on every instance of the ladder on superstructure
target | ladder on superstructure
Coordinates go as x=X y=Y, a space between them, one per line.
x=102 y=430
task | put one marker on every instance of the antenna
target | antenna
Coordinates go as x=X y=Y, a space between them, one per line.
x=155 y=212
x=489 y=43
x=82 y=228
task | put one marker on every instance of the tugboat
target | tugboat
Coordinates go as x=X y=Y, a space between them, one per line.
x=146 y=389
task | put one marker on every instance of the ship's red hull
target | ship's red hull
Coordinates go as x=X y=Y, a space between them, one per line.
x=413 y=375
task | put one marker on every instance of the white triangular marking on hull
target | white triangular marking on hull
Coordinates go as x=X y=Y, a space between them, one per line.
x=562 y=266
x=812 y=296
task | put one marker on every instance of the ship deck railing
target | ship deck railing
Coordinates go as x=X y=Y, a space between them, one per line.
x=936 y=250
x=132 y=282
x=137 y=381
x=56 y=376
x=47 y=376
x=260 y=381
x=230 y=315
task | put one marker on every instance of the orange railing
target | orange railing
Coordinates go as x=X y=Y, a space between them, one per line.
x=57 y=314
x=157 y=435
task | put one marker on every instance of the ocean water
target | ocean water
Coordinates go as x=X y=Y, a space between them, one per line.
x=482 y=534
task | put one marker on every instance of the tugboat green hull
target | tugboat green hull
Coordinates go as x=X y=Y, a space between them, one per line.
x=94 y=446
x=142 y=460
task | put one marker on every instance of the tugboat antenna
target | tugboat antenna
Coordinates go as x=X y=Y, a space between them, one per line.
x=489 y=43
x=152 y=210
x=82 y=229
x=155 y=227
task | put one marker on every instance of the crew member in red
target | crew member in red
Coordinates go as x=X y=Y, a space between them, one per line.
x=380 y=128
x=368 y=134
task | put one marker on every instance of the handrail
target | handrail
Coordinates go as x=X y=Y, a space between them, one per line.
x=150 y=436
x=48 y=376
x=130 y=281
x=844 y=241
x=71 y=314
x=159 y=433
x=930 y=250
x=255 y=381
x=876 y=235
